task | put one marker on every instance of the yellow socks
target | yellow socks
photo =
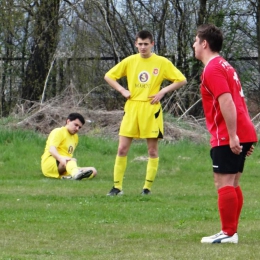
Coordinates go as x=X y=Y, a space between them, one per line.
x=72 y=167
x=119 y=171
x=151 y=171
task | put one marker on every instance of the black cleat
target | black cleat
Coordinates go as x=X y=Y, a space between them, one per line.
x=114 y=191
x=146 y=192
x=81 y=174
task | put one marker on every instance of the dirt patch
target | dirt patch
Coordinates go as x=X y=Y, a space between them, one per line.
x=99 y=123
x=49 y=115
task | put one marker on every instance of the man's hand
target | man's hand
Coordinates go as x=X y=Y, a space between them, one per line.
x=125 y=93
x=63 y=160
x=115 y=85
x=235 y=145
x=155 y=99
x=250 y=151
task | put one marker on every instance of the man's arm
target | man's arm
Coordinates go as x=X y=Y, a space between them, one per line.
x=229 y=113
x=63 y=160
x=174 y=86
x=115 y=85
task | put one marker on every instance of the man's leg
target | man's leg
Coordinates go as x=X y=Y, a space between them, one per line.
x=227 y=206
x=227 y=202
x=90 y=172
x=230 y=197
x=240 y=198
x=119 y=171
x=248 y=149
x=49 y=168
x=152 y=165
x=120 y=164
x=78 y=173
x=71 y=167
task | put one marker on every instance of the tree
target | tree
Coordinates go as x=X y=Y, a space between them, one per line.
x=11 y=25
x=43 y=44
x=46 y=45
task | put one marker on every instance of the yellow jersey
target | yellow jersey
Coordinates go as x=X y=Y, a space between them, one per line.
x=145 y=75
x=64 y=142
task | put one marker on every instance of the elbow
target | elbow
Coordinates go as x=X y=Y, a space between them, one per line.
x=182 y=83
x=107 y=79
x=52 y=150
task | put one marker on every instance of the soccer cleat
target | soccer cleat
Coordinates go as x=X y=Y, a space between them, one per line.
x=220 y=238
x=114 y=191
x=145 y=192
x=66 y=177
x=82 y=174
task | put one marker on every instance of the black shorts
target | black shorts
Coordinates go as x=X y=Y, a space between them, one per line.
x=225 y=161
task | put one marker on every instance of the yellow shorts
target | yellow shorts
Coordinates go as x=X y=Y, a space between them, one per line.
x=142 y=120
x=50 y=168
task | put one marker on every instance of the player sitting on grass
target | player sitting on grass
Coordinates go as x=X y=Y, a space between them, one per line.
x=57 y=160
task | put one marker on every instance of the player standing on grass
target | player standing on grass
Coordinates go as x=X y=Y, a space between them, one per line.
x=57 y=160
x=143 y=117
x=232 y=132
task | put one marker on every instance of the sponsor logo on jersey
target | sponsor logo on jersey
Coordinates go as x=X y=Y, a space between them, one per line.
x=155 y=71
x=70 y=150
x=143 y=77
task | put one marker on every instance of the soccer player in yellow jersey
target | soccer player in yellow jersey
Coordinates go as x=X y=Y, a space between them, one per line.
x=143 y=117
x=57 y=160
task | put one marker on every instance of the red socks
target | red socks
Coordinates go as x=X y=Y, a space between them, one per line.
x=228 y=209
x=240 y=203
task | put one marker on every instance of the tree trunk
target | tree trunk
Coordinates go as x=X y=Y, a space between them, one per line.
x=45 y=40
x=258 y=33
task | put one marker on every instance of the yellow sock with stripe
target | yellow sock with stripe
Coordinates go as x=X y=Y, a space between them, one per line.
x=119 y=171
x=151 y=172
x=72 y=167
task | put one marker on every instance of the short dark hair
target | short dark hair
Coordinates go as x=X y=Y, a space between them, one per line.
x=212 y=34
x=74 y=116
x=144 y=34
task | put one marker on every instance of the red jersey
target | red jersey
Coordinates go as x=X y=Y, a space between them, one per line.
x=219 y=77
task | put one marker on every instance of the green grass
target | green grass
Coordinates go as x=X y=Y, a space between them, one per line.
x=54 y=219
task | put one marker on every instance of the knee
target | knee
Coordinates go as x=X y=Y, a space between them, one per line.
x=153 y=153
x=94 y=171
x=122 y=151
x=61 y=169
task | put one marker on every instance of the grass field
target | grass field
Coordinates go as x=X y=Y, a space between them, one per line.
x=56 y=219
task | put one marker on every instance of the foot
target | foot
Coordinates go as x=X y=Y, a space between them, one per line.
x=145 y=192
x=114 y=191
x=220 y=238
x=66 y=177
x=82 y=174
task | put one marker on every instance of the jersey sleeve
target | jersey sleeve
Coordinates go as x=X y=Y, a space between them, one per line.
x=118 y=71
x=55 y=137
x=217 y=81
x=172 y=73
